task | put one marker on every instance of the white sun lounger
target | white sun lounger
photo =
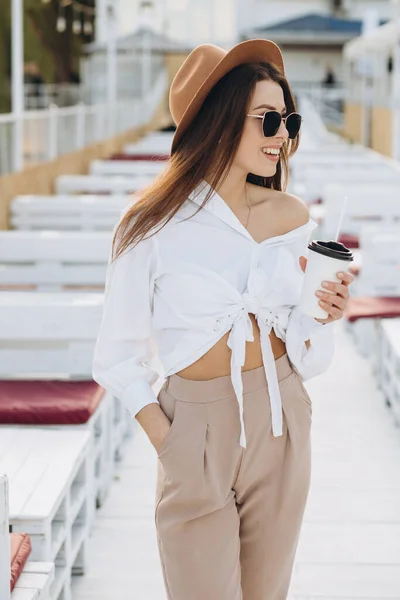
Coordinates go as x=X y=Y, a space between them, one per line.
x=139 y=168
x=99 y=184
x=54 y=260
x=50 y=480
x=62 y=329
x=4 y=540
x=310 y=184
x=380 y=270
x=379 y=277
x=36 y=578
x=388 y=371
x=64 y=212
x=367 y=203
x=149 y=146
x=51 y=336
x=300 y=163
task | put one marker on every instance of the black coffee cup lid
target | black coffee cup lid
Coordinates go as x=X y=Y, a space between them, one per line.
x=332 y=249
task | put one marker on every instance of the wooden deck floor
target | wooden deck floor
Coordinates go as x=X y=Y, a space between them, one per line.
x=350 y=543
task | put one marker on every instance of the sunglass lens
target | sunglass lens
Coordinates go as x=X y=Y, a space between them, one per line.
x=293 y=124
x=271 y=123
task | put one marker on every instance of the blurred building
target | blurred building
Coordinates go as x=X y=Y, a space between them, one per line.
x=312 y=46
x=372 y=77
x=186 y=21
x=311 y=33
x=141 y=57
x=257 y=13
x=225 y=22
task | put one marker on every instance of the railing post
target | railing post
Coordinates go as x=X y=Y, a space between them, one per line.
x=396 y=86
x=17 y=92
x=111 y=45
x=52 y=132
x=80 y=126
x=101 y=123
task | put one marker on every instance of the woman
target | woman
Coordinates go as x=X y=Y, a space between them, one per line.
x=208 y=267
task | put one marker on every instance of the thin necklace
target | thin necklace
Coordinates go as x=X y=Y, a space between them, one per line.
x=249 y=207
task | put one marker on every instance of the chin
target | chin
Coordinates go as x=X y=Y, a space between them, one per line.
x=268 y=171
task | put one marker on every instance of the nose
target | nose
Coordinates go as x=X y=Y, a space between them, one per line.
x=282 y=131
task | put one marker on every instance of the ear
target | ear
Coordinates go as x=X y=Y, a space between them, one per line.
x=303 y=263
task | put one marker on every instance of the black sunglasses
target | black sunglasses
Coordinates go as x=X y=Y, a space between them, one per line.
x=271 y=122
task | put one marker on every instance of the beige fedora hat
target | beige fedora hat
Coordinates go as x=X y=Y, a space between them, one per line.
x=204 y=67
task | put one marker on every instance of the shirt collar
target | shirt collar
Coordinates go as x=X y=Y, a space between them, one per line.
x=218 y=207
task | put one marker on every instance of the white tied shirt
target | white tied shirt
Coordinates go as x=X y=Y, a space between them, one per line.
x=179 y=291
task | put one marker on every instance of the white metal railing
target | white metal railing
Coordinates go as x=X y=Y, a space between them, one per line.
x=43 y=95
x=50 y=133
x=328 y=100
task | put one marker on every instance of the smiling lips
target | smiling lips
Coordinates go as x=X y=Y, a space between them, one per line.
x=271 y=153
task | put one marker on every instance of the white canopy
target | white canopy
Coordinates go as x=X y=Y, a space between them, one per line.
x=382 y=37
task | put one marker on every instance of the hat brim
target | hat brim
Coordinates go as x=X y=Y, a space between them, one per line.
x=249 y=51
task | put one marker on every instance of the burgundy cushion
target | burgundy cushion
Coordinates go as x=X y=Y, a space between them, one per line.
x=155 y=157
x=349 y=240
x=20 y=549
x=48 y=402
x=372 y=308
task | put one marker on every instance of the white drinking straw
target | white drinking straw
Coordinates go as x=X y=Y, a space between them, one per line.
x=341 y=218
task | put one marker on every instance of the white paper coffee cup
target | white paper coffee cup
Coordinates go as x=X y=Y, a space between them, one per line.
x=325 y=259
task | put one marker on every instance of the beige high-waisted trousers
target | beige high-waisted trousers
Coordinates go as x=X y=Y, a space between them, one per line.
x=228 y=519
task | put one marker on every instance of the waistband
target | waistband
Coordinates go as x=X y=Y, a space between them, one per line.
x=210 y=390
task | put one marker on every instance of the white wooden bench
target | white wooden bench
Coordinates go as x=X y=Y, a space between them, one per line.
x=58 y=260
x=379 y=277
x=304 y=160
x=99 y=184
x=380 y=268
x=311 y=183
x=149 y=146
x=389 y=364
x=54 y=260
x=49 y=476
x=86 y=212
x=36 y=578
x=301 y=166
x=368 y=203
x=4 y=540
x=145 y=168
x=36 y=582
x=51 y=336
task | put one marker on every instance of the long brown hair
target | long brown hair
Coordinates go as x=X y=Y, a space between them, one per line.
x=198 y=155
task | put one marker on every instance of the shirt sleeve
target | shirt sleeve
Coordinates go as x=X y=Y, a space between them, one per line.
x=124 y=345
x=312 y=361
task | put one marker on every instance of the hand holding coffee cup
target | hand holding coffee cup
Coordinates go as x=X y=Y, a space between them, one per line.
x=325 y=292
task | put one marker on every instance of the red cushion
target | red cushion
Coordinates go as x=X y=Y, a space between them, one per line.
x=372 y=308
x=349 y=240
x=20 y=549
x=155 y=157
x=48 y=402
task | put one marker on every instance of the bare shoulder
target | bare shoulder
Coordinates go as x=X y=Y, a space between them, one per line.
x=293 y=207
x=288 y=211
